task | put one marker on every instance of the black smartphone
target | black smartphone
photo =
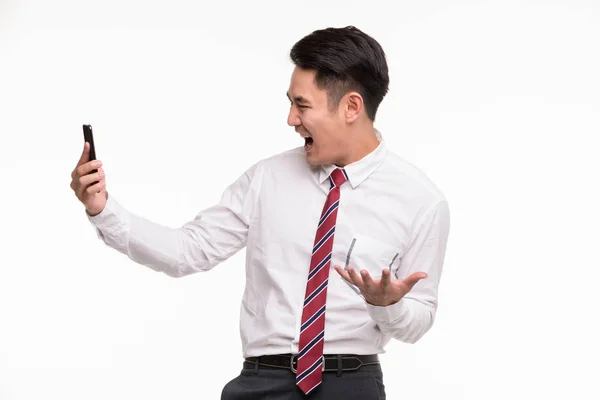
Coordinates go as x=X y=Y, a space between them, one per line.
x=88 y=136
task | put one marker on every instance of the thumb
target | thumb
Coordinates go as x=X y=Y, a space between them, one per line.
x=85 y=154
x=413 y=278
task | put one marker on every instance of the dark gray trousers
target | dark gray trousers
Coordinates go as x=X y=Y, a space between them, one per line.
x=265 y=383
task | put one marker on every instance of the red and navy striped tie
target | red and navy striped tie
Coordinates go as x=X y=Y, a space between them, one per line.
x=312 y=331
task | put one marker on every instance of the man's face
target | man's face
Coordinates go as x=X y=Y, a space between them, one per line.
x=323 y=130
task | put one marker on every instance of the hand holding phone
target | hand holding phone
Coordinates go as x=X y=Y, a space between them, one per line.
x=87 y=179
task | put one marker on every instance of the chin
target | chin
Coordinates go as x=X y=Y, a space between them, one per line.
x=312 y=160
x=315 y=160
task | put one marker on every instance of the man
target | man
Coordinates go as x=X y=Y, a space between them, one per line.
x=344 y=240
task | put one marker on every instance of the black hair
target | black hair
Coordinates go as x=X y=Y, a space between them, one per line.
x=345 y=59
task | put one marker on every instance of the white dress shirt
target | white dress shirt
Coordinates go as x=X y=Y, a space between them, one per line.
x=390 y=216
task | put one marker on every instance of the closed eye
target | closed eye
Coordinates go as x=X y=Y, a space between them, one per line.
x=300 y=101
x=300 y=106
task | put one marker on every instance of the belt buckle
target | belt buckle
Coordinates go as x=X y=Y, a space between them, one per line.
x=292 y=363
x=294 y=370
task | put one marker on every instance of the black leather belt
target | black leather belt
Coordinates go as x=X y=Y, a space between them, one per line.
x=331 y=363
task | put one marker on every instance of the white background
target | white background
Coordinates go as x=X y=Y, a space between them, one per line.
x=498 y=101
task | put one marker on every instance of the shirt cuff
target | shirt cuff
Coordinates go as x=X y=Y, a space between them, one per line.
x=110 y=218
x=388 y=314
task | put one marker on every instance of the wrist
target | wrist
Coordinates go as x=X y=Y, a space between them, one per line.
x=382 y=302
x=92 y=213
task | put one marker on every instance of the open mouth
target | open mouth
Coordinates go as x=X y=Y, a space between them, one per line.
x=308 y=144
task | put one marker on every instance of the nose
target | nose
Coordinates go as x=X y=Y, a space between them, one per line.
x=293 y=117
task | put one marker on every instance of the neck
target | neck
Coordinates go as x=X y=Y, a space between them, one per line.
x=361 y=142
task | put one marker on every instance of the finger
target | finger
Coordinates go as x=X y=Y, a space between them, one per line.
x=355 y=277
x=343 y=273
x=85 y=180
x=386 y=278
x=367 y=280
x=88 y=181
x=86 y=168
x=413 y=278
x=97 y=188
x=85 y=154
x=90 y=177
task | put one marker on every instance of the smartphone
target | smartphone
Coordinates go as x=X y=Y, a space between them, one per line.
x=88 y=136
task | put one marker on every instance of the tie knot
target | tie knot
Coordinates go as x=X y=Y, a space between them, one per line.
x=338 y=176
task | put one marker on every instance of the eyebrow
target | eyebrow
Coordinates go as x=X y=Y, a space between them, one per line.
x=297 y=99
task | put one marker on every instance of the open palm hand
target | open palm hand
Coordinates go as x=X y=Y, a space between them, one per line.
x=380 y=292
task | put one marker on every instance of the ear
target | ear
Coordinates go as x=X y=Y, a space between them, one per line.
x=353 y=106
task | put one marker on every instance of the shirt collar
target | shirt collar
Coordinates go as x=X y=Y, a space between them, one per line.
x=359 y=170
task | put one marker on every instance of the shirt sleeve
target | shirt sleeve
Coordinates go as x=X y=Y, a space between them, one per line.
x=410 y=318
x=214 y=235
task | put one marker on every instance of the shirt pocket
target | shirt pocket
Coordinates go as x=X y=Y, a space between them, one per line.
x=373 y=255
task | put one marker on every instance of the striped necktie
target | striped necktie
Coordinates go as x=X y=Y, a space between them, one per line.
x=312 y=331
